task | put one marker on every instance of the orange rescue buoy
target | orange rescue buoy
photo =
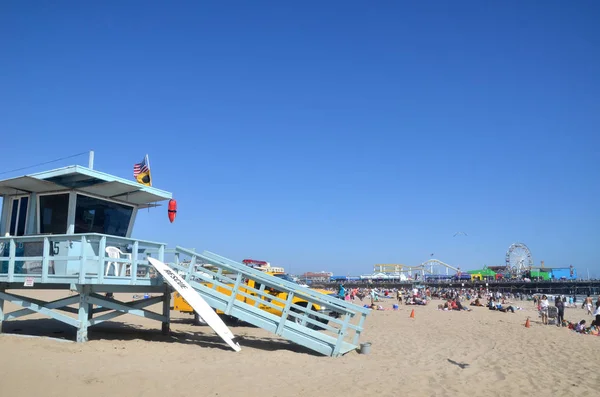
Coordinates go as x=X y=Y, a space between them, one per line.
x=172 y=210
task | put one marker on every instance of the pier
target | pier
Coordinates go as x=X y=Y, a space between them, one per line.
x=568 y=288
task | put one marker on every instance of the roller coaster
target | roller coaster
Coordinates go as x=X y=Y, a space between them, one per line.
x=431 y=267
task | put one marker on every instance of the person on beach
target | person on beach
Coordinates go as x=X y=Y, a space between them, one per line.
x=596 y=322
x=588 y=304
x=506 y=309
x=476 y=302
x=580 y=327
x=341 y=292
x=560 y=305
x=544 y=309
x=399 y=296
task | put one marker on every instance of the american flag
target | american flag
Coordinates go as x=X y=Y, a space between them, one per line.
x=139 y=168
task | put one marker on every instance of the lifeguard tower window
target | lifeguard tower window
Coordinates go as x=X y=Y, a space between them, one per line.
x=18 y=216
x=53 y=213
x=93 y=215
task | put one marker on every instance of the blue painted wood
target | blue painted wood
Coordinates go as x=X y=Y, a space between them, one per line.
x=166 y=311
x=1 y=309
x=26 y=303
x=342 y=334
x=358 y=330
x=102 y=260
x=30 y=228
x=82 y=260
x=60 y=172
x=236 y=266
x=311 y=339
x=331 y=301
x=284 y=314
x=4 y=211
x=83 y=314
x=190 y=268
x=234 y=292
x=161 y=253
x=45 y=259
x=134 y=262
x=11 y=260
x=261 y=293
x=219 y=289
x=59 y=304
x=281 y=325
x=71 y=212
x=121 y=308
x=127 y=309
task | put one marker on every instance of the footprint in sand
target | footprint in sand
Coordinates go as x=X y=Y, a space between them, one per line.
x=499 y=374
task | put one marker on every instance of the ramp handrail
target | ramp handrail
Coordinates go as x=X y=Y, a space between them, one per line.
x=212 y=281
x=214 y=259
x=228 y=294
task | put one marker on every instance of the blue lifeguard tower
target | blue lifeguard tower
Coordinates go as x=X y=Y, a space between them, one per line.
x=70 y=229
x=59 y=230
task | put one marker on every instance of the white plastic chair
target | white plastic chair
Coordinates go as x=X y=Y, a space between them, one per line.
x=115 y=253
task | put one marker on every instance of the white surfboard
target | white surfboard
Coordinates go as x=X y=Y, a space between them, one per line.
x=196 y=302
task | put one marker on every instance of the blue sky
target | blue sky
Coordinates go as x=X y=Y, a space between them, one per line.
x=324 y=135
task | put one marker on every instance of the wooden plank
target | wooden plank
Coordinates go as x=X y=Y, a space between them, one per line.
x=12 y=251
x=83 y=315
x=132 y=305
x=101 y=260
x=55 y=304
x=38 y=309
x=82 y=262
x=284 y=314
x=234 y=293
x=134 y=262
x=161 y=253
x=341 y=335
x=303 y=292
x=359 y=329
x=1 y=310
x=45 y=259
x=190 y=269
x=119 y=306
x=166 y=311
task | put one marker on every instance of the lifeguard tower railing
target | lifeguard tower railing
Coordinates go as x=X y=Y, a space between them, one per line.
x=31 y=262
x=35 y=258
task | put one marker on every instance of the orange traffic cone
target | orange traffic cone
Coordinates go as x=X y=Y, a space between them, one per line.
x=412 y=314
x=527 y=325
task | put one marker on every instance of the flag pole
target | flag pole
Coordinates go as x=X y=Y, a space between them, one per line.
x=149 y=170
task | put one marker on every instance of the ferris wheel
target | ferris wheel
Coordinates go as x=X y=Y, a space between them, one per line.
x=518 y=259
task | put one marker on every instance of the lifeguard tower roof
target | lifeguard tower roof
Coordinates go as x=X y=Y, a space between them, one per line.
x=84 y=180
x=73 y=200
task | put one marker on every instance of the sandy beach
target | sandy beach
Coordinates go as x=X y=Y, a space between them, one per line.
x=477 y=353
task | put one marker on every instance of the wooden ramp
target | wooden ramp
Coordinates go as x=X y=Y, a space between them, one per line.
x=317 y=321
x=80 y=263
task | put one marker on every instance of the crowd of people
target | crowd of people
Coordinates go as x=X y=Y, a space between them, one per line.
x=548 y=312
x=405 y=296
x=460 y=299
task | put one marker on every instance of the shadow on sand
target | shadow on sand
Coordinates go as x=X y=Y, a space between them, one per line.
x=116 y=331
